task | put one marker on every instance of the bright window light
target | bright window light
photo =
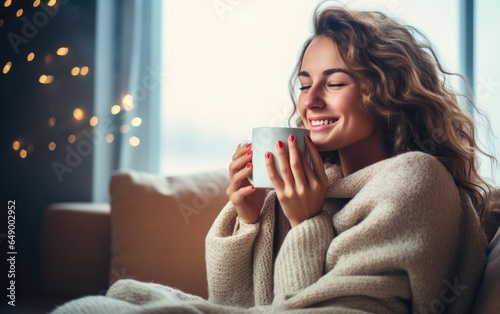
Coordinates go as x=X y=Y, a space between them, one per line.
x=228 y=65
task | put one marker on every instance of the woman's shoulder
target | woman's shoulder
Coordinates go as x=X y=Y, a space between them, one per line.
x=418 y=164
x=416 y=158
x=416 y=170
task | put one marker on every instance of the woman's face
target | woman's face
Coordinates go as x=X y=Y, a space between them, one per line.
x=329 y=100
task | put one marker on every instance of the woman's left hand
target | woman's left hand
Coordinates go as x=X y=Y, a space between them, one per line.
x=303 y=189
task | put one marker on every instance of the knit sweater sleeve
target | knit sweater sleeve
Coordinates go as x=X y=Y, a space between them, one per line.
x=228 y=246
x=301 y=261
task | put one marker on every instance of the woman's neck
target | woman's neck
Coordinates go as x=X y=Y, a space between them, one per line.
x=362 y=154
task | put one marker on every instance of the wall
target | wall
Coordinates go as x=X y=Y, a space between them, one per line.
x=36 y=114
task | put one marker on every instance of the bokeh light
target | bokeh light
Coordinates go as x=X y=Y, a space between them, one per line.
x=62 y=51
x=52 y=146
x=109 y=138
x=78 y=114
x=93 y=121
x=46 y=79
x=134 y=141
x=6 y=67
x=115 y=109
x=84 y=71
x=124 y=128
x=127 y=102
x=136 y=121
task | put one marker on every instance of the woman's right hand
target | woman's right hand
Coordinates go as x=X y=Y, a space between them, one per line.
x=246 y=199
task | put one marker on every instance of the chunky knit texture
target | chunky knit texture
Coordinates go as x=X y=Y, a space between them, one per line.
x=394 y=237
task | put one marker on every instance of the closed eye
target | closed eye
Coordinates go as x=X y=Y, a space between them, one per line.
x=306 y=87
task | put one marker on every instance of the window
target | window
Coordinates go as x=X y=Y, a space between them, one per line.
x=229 y=61
x=487 y=76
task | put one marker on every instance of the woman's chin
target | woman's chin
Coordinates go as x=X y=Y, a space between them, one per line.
x=324 y=147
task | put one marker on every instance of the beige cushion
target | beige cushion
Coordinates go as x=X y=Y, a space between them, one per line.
x=159 y=224
x=488 y=295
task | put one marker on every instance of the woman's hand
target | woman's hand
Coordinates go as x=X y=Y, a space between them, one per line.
x=246 y=199
x=303 y=189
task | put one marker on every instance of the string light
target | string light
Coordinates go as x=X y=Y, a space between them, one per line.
x=52 y=121
x=84 y=71
x=36 y=3
x=62 y=51
x=6 y=67
x=136 y=121
x=78 y=113
x=46 y=79
x=127 y=102
x=124 y=128
x=115 y=109
x=16 y=145
x=19 y=12
x=134 y=141
x=109 y=138
x=93 y=121
x=7 y=3
x=51 y=3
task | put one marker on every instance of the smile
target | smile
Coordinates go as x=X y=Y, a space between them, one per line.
x=322 y=122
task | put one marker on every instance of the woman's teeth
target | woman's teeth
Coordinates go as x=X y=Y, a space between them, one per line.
x=321 y=122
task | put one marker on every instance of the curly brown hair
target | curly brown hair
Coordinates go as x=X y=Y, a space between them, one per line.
x=406 y=90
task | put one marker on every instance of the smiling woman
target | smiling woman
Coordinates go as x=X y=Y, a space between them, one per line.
x=376 y=223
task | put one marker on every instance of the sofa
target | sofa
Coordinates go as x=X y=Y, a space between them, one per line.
x=153 y=230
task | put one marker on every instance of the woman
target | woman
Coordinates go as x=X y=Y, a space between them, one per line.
x=389 y=224
x=386 y=218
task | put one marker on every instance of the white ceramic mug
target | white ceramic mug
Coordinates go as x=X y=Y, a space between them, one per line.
x=264 y=139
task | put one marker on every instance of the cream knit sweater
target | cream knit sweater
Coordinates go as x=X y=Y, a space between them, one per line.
x=406 y=241
x=394 y=237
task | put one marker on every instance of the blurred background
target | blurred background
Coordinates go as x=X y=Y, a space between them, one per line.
x=172 y=87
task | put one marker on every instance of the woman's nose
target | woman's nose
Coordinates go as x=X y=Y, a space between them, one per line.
x=314 y=98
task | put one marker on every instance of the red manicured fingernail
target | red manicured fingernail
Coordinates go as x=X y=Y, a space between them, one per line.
x=248 y=145
x=308 y=137
x=280 y=144
x=268 y=155
x=249 y=165
x=292 y=138
x=253 y=187
x=249 y=152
